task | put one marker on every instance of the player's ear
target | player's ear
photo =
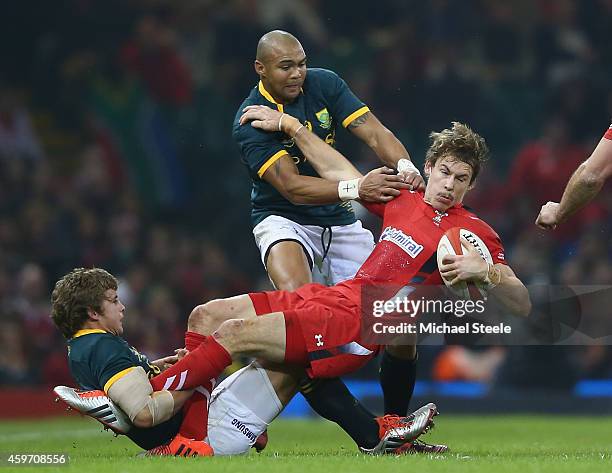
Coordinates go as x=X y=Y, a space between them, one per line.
x=427 y=169
x=260 y=69
x=92 y=314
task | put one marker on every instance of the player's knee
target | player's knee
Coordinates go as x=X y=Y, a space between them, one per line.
x=290 y=283
x=232 y=334
x=207 y=317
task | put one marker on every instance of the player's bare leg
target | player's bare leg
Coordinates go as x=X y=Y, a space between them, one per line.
x=288 y=266
x=284 y=379
x=288 y=269
x=259 y=337
x=206 y=318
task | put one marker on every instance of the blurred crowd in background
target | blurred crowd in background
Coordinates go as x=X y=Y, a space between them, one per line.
x=116 y=150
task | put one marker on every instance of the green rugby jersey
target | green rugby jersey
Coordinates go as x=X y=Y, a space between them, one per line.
x=97 y=359
x=325 y=102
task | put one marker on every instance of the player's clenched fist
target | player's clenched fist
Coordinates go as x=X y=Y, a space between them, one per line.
x=548 y=217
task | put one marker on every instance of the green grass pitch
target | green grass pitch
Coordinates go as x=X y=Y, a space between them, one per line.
x=479 y=444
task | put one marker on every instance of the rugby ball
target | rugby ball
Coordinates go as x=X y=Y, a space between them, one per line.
x=450 y=244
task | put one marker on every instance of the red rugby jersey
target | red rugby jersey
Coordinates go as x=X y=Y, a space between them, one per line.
x=406 y=251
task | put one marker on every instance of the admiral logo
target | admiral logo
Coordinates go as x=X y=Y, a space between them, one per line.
x=244 y=430
x=500 y=256
x=405 y=242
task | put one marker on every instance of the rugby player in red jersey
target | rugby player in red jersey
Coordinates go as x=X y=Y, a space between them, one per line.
x=582 y=187
x=318 y=327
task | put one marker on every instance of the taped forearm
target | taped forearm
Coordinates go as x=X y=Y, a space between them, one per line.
x=161 y=407
x=134 y=395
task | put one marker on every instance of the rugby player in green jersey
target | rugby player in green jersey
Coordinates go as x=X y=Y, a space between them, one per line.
x=304 y=223
x=304 y=226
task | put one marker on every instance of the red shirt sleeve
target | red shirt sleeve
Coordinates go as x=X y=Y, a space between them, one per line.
x=608 y=134
x=375 y=208
x=495 y=246
x=489 y=237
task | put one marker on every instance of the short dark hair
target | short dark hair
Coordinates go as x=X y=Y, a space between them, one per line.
x=76 y=292
x=461 y=143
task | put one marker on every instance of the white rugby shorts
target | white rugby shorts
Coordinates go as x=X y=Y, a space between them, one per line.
x=335 y=253
x=232 y=426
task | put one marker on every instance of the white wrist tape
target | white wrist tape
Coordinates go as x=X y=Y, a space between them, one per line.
x=280 y=122
x=493 y=277
x=348 y=190
x=405 y=165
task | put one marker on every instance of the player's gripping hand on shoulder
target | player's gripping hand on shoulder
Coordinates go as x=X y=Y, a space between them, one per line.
x=381 y=185
x=548 y=216
x=410 y=174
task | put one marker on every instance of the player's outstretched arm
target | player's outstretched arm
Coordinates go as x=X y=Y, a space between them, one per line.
x=502 y=283
x=583 y=186
x=298 y=189
x=387 y=147
x=328 y=162
x=341 y=181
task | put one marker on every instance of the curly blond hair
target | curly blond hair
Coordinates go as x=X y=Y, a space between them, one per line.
x=76 y=292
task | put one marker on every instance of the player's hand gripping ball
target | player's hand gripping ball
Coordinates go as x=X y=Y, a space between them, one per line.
x=450 y=244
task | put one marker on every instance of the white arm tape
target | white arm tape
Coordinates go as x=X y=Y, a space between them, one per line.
x=133 y=392
x=405 y=165
x=349 y=190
